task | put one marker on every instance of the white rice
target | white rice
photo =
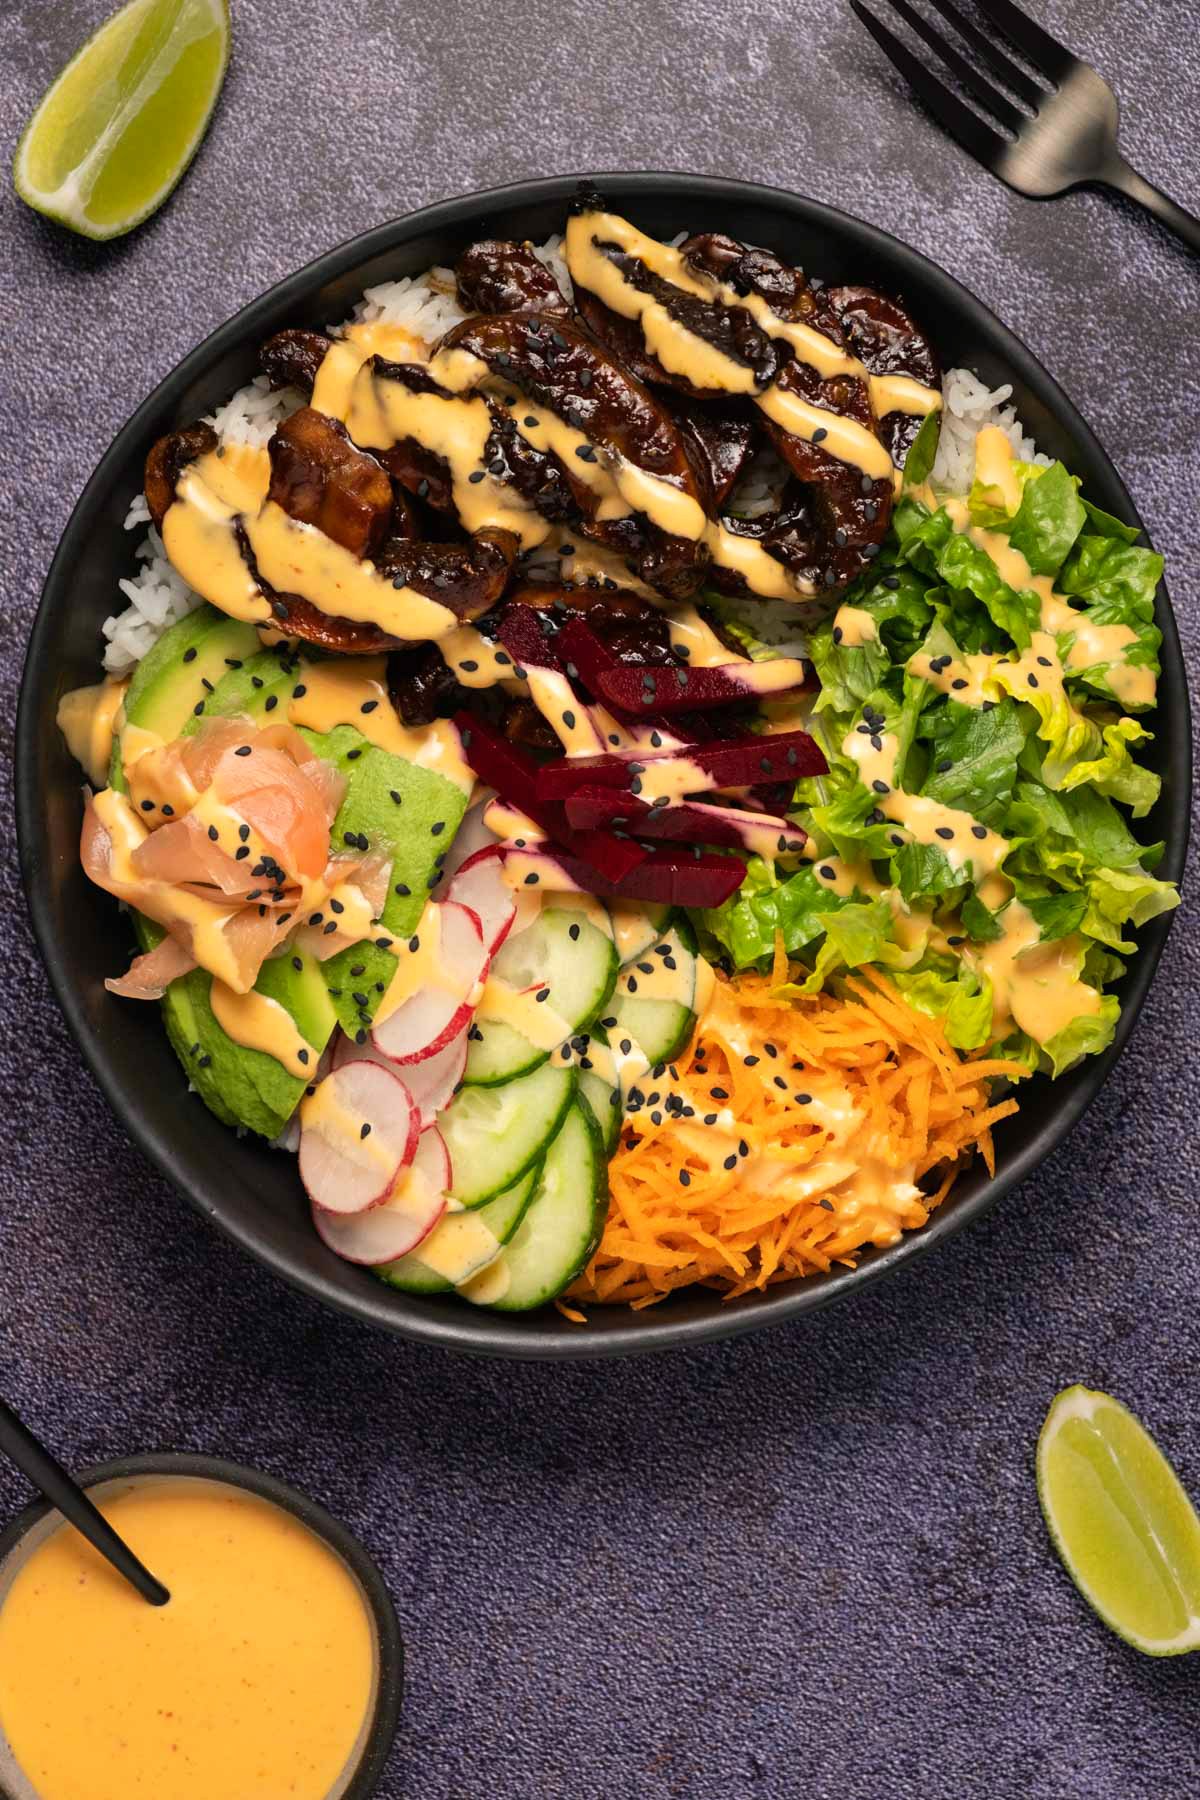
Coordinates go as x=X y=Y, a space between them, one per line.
x=968 y=405
x=428 y=307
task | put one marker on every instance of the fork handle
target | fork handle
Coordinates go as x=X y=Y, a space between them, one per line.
x=1118 y=174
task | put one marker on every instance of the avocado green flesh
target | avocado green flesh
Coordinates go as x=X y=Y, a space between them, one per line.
x=402 y=828
x=241 y=1086
x=166 y=688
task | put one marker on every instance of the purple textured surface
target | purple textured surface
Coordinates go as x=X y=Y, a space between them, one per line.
x=811 y=1562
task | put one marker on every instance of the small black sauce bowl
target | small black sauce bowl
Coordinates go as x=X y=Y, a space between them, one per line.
x=384 y=1714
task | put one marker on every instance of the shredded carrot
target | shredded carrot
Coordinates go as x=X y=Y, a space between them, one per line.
x=789 y=1136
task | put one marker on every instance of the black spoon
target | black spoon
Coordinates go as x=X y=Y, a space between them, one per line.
x=35 y=1461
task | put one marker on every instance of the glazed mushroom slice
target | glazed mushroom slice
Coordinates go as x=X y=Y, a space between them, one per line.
x=320 y=478
x=167 y=460
x=498 y=275
x=719 y=439
x=887 y=341
x=752 y=270
x=629 y=453
x=292 y=358
x=468 y=578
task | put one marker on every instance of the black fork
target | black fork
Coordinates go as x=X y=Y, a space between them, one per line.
x=1051 y=137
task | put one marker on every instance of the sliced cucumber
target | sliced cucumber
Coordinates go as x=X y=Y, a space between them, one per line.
x=654 y=998
x=461 y=1243
x=495 y=1134
x=601 y=1094
x=561 y=1228
x=564 y=951
x=637 y=926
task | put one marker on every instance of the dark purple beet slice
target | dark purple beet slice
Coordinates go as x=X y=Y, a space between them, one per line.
x=514 y=777
x=599 y=808
x=654 y=691
x=741 y=762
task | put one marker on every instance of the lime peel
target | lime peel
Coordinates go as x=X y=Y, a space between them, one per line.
x=1121 y=1521
x=157 y=64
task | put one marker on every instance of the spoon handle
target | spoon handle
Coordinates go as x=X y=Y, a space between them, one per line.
x=36 y=1462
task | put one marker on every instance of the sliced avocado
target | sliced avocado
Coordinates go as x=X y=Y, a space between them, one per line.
x=241 y=1086
x=247 y=1087
x=252 y=690
x=395 y=808
x=182 y=669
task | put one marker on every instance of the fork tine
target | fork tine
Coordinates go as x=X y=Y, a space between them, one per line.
x=1048 y=56
x=1010 y=73
x=997 y=104
x=969 y=129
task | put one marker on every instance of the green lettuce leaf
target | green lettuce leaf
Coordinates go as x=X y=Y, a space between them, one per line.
x=962 y=999
x=930 y=540
x=1113 y=771
x=922 y=452
x=798 y=905
x=1085 y=1036
x=1049 y=519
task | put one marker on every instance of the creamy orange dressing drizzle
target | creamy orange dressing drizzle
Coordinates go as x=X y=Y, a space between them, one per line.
x=257 y=1675
x=1034 y=985
x=853 y=627
x=259 y=1023
x=1092 y=645
x=353 y=691
x=683 y=352
x=200 y=535
x=88 y=719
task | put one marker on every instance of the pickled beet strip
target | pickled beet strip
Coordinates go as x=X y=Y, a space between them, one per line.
x=589 y=658
x=740 y=762
x=673 y=877
x=685 y=821
x=520 y=631
x=650 y=691
x=513 y=774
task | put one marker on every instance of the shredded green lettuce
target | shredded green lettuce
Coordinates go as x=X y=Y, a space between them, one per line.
x=1052 y=766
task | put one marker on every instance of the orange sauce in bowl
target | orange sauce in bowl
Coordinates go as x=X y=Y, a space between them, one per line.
x=255 y=1682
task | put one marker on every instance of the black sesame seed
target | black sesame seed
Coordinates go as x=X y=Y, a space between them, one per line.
x=1032 y=680
x=190 y=655
x=944 y=831
x=402 y=888
x=437 y=828
x=1045 y=662
x=573 y=934
x=685 y=1179
x=881 y=787
x=979 y=831
x=242 y=750
x=475 y=475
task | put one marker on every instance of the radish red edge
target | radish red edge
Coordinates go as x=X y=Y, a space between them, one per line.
x=379 y=1105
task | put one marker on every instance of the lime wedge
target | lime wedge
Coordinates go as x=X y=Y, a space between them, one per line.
x=117 y=129
x=1121 y=1522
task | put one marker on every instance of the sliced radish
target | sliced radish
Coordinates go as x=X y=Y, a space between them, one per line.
x=472 y=836
x=438 y=1012
x=407 y=1216
x=480 y=884
x=431 y=1082
x=358 y=1130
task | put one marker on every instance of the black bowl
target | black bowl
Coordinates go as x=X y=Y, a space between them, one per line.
x=389 y=1677
x=252 y=1194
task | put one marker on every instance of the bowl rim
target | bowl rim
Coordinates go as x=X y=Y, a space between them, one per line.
x=385 y=1715
x=452 y=1327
